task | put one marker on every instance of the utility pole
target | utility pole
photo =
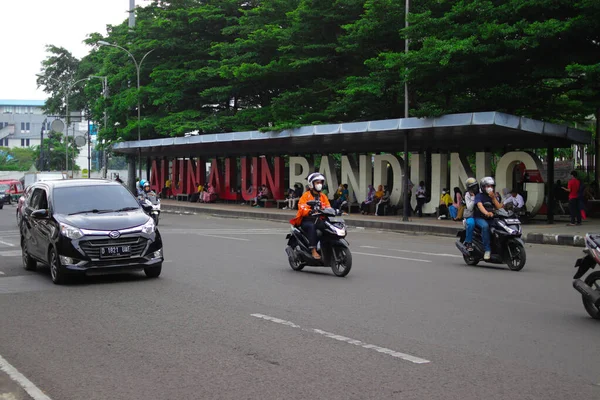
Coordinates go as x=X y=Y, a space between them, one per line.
x=131 y=13
x=42 y=145
x=406 y=198
x=597 y=146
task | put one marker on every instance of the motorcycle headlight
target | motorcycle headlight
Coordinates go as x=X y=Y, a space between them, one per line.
x=70 y=232
x=507 y=228
x=148 y=227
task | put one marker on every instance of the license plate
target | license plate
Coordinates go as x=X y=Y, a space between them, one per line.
x=514 y=221
x=115 y=251
x=336 y=219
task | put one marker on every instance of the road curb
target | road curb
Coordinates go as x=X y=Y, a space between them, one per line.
x=556 y=239
x=533 y=238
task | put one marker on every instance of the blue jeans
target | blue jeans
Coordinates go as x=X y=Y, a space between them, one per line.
x=453 y=212
x=485 y=232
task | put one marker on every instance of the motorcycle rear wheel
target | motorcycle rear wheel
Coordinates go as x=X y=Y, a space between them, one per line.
x=295 y=263
x=518 y=259
x=343 y=265
x=593 y=281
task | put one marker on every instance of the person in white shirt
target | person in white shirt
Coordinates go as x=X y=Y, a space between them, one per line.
x=515 y=199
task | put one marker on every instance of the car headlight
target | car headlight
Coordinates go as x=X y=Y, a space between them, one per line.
x=70 y=232
x=148 y=227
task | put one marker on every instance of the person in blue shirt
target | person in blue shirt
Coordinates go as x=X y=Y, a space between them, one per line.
x=485 y=203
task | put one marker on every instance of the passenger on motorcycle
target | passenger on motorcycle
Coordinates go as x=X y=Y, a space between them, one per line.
x=303 y=217
x=472 y=190
x=485 y=203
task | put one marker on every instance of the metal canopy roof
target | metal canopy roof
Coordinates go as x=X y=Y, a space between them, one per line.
x=470 y=131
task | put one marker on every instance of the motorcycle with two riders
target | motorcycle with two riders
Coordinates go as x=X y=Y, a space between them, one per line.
x=505 y=232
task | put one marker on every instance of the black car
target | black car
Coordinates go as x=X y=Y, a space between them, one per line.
x=90 y=227
x=4 y=195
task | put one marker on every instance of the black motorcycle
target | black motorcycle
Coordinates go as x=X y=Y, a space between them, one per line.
x=150 y=203
x=505 y=240
x=590 y=287
x=334 y=249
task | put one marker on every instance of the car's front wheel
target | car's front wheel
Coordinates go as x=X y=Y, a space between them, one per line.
x=56 y=270
x=154 y=271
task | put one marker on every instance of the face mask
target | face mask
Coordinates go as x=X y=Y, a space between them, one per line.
x=318 y=187
x=443 y=192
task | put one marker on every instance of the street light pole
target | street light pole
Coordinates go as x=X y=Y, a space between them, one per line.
x=137 y=68
x=406 y=51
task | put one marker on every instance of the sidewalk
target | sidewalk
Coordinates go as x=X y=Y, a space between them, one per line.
x=536 y=231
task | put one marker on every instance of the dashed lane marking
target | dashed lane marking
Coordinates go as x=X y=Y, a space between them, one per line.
x=414 y=252
x=22 y=381
x=393 y=257
x=379 y=349
x=6 y=243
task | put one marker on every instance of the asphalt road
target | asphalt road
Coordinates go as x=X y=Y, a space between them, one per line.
x=229 y=319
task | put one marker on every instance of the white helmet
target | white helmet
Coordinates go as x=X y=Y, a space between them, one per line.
x=487 y=181
x=315 y=177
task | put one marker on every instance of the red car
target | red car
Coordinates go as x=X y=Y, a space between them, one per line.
x=15 y=189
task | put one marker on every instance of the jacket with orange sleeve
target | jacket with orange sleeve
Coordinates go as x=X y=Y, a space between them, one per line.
x=304 y=209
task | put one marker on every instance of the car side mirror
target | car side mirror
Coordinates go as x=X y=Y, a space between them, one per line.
x=40 y=214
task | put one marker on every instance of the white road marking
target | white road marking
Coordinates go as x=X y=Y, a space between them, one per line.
x=383 y=350
x=394 y=257
x=6 y=243
x=25 y=383
x=2 y=273
x=222 y=237
x=276 y=320
x=414 y=252
x=345 y=339
x=10 y=253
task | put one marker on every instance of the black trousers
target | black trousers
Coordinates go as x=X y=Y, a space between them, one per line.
x=419 y=209
x=574 y=210
x=309 y=226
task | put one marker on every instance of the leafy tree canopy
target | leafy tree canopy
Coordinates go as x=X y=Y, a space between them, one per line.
x=231 y=65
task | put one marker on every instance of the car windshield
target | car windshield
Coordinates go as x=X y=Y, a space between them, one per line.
x=3 y=188
x=93 y=199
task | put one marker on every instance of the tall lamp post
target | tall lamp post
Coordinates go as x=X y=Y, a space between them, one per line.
x=137 y=68
x=405 y=183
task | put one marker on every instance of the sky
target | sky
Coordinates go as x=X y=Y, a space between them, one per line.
x=29 y=25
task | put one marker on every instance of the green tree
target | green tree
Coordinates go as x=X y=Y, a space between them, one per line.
x=59 y=72
x=16 y=159
x=54 y=153
x=514 y=56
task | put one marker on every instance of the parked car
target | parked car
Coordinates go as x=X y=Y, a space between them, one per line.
x=4 y=194
x=15 y=189
x=89 y=227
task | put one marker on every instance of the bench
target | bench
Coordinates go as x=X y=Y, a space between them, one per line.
x=280 y=202
x=182 y=197
x=268 y=202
